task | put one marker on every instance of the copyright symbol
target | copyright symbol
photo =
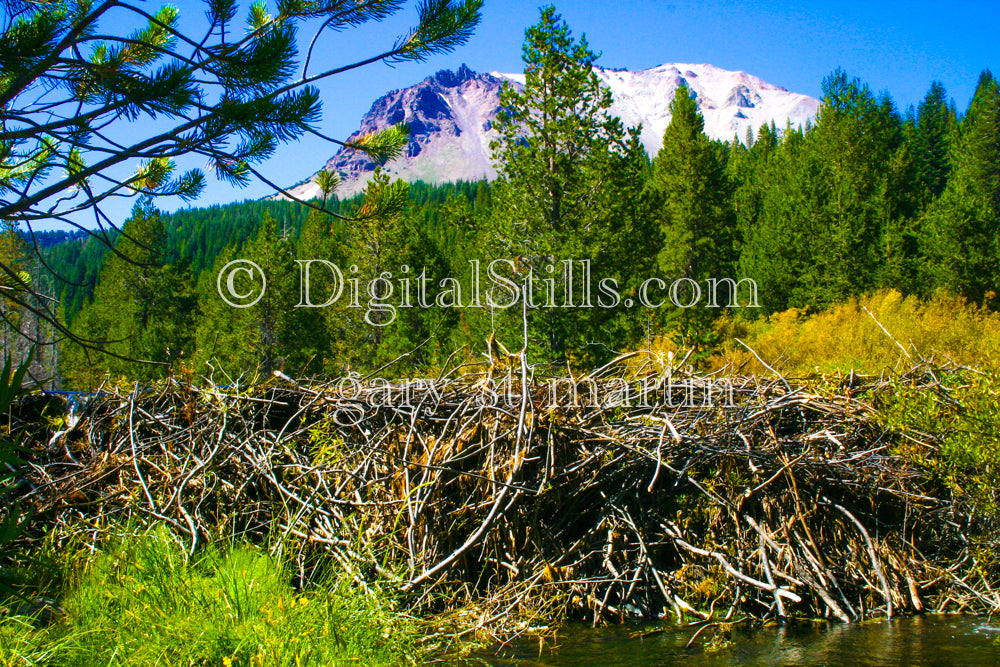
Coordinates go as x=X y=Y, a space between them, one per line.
x=230 y=272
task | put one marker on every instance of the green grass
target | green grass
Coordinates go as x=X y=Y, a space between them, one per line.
x=143 y=601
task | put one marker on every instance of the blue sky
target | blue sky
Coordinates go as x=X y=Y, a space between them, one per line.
x=899 y=46
x=895 y=46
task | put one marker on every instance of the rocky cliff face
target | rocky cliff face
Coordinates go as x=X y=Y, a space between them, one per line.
x=451 y=116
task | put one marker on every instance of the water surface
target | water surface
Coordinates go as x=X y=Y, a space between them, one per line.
x=925 y=640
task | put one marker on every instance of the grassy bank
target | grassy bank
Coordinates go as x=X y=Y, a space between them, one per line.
x=141 y=600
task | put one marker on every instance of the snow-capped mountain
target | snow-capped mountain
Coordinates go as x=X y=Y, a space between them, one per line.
x=451 y=116
x=731 y=102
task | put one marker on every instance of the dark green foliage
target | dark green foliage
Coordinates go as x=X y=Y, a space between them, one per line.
x=226 y=98
x=142 y=310
x=864 y=199
x=350 y=332
x=835 y=204
x=935 y=121
x=694 y=213
x=234 y=339
x=566 y=169
x=959 y=229
x=694 y=196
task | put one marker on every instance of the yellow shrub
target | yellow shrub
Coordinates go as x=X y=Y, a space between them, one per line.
x=849 y=336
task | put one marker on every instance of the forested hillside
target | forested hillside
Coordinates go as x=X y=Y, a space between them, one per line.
x=869 y=197
x=195 y=236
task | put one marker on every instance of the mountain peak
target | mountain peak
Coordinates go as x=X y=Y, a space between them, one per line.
x=451 y=115
x=449 y=79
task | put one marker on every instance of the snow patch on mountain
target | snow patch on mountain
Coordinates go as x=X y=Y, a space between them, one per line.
x=731 y=102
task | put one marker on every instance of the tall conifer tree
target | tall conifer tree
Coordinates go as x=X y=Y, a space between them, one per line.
x=695 y=214
x=959 y=232
x=142 y=310
x=560 y=155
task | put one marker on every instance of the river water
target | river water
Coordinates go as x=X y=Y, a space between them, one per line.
x=926 y=640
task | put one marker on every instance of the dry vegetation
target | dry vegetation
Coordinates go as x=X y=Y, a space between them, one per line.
x=849 y=336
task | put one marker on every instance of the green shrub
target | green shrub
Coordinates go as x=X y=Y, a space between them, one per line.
x=955 y=432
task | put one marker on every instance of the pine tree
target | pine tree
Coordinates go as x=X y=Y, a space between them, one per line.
x=418 y=337
x=696 y=216
x=777 y=239
x=696 y=219
x=747 y=169
x=854 y=139
x=934 y=122
x=558 y=156
x=959 y=232
x=256 y=338
x=323 y=238
x=141 y=311
x=832 y=209
x=357 y=324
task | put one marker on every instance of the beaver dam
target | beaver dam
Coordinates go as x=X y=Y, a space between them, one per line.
x=623 y=492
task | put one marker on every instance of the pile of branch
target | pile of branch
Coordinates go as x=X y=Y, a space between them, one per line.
x=623 y=492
